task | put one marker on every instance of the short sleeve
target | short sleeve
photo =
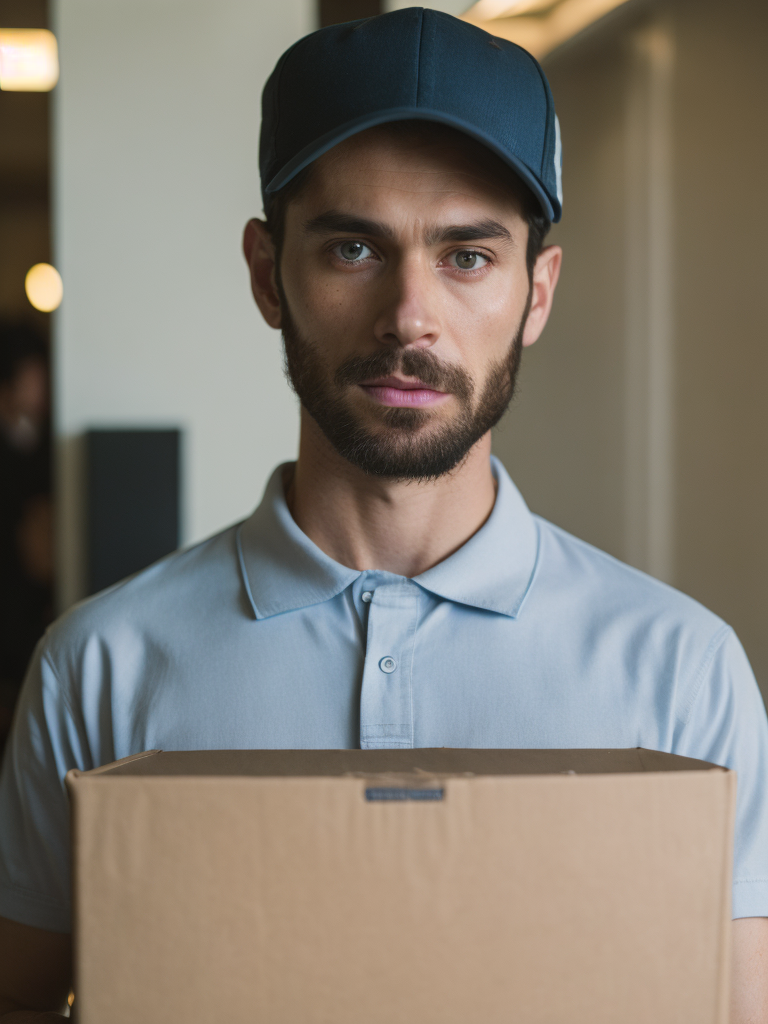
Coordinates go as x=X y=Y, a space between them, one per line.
x=727 y=725
x=45 y=742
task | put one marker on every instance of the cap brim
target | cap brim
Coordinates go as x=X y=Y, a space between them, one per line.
x=345 y=131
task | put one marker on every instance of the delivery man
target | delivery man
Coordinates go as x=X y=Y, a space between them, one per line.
x=392 y=588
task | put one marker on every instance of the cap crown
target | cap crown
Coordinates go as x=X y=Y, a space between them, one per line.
x=410 y=64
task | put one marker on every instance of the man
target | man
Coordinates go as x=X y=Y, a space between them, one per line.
x=392 y=589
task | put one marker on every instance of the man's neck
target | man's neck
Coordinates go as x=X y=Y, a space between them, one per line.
x=368 y=522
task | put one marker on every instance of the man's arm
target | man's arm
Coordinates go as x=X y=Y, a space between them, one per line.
x=749 y=978
x=35 y=974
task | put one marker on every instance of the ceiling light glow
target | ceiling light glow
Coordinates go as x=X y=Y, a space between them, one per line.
x=539 y=26
x=44 y=287
x=484 y=10
x=29 y=60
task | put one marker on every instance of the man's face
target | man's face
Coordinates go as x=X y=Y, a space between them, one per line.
x=404 y=292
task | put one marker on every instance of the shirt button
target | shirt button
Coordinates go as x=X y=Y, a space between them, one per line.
x=367 y=596
x=388 y=664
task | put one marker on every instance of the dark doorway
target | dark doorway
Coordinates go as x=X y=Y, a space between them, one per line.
x=26 y=512
x=334 y=12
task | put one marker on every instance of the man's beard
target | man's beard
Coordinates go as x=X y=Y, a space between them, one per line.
x=403 y=447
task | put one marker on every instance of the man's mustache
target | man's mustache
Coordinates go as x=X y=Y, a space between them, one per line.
x=409 y=363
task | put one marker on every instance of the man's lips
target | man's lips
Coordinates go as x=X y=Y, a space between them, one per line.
x=398 y=392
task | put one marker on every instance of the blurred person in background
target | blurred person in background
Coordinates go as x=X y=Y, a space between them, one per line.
x=26 y=546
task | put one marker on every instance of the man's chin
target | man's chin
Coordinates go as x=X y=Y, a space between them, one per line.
x=385 y=418
x=402 y=451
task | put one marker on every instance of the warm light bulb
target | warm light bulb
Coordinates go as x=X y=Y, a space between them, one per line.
x=43 y=287
x=29 y=60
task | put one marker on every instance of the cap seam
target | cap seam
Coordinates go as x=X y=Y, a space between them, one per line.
x=276 y=98
x=418 y=58
x=548 y=101
x=549 y=104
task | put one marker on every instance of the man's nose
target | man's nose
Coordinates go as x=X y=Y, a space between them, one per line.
x=409 y=313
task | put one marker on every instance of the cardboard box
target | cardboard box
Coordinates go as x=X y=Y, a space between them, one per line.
x=403 y=887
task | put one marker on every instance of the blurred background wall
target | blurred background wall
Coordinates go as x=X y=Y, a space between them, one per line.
x=156 y=121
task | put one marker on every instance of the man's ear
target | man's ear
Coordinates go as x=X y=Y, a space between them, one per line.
x=259 y=254
x=546 y=271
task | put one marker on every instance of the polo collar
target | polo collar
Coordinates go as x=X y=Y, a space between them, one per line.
x=495 y=567
x=283 y=570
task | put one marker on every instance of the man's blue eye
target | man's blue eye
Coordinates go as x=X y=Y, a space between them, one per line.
x=353 y=252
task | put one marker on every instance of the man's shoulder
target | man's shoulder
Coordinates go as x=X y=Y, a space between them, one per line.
x=183 y=584
x=614 y=589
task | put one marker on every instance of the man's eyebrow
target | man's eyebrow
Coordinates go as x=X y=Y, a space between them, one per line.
x=468 y=232
x=326 y=223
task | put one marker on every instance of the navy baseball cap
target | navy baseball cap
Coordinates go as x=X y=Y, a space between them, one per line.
x=410 y=64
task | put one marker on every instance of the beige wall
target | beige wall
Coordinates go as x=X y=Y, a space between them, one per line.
x=156 y=142
x=642 y=422
x=721 y=201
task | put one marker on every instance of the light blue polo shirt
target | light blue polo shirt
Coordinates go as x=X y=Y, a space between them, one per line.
x=525 y=637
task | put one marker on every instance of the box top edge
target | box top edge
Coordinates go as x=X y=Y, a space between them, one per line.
x=444 y=761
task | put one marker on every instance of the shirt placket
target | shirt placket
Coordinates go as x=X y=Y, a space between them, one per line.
x=386 y=703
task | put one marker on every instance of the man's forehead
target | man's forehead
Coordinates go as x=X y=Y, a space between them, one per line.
x=381 y=171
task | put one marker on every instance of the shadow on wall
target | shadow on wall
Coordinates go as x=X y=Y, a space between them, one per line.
x=26 y=511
